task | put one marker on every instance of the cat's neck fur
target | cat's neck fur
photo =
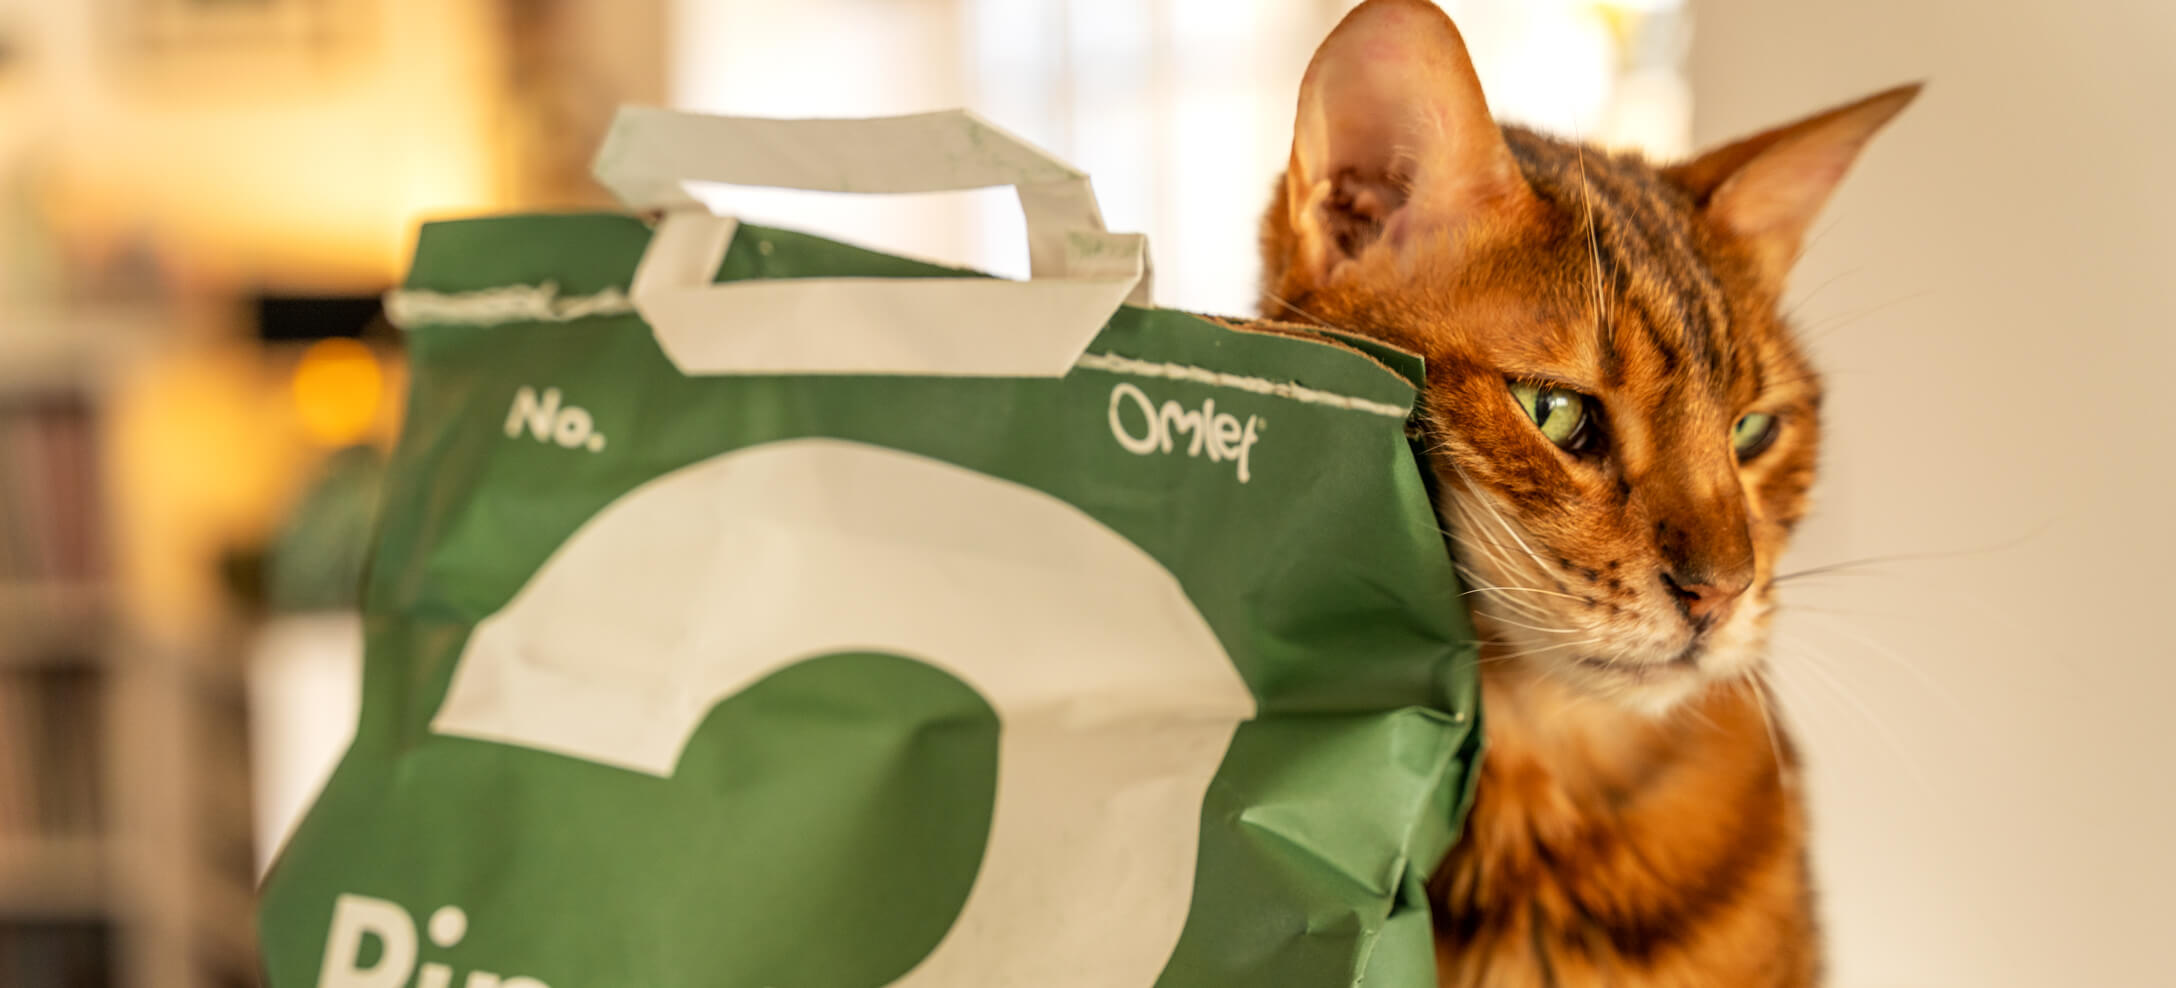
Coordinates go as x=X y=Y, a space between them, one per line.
x=1595 y=852
x=1597 y=752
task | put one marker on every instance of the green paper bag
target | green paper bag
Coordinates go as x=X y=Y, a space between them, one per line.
x=753 y=611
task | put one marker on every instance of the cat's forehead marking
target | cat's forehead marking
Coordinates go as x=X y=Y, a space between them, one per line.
x=1666 y=315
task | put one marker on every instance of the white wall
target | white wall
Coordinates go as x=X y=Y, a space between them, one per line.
x=1988 y=293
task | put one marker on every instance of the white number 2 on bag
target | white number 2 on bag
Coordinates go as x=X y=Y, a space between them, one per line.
x=1106 y=680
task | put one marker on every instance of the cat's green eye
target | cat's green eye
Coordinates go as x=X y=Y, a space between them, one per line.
x=1752 y=434
x=1561 y=415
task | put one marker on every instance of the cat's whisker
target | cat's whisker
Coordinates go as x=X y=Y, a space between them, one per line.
x=1289 y=304
x=1474 y=533
x=1814 y=236
x=1498 y=555
x=1799 y=305
x=1552 y=593
x=1501 y=522
x=1505 y=525
x=1534 y=627
x=1905 y=557
x=1594 y=245
x=1994 y=615
x=1931 y=685
x=1815 y=662
x=1786 y=696
x=1516 y=607
x=1814 y=334
x=1488 y=609
x=1530 y=652
x=1441 y=445
x=1757 y=684
x=1797 y=578
x=1526 y=608
x=1497 y=594
x=1496 y=551
x=1693 y=711
x=1853 y=612
x=1784 y=383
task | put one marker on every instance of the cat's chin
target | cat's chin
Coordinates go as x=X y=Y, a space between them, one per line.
x=1572 y=693
x=1650 y=673
x=1656 y=687
x=1650 y=688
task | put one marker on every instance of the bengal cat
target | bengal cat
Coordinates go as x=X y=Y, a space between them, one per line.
x=1623 y=432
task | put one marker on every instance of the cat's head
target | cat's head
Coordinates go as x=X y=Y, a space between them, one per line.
x=1622 y=428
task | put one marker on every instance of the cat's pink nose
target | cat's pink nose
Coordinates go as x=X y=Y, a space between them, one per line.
x=1706 y=599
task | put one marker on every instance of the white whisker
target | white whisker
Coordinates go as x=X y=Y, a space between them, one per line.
x=1289 y=304
x=1552 y=593
x=1813 y=663
x=1594 y=245
x=1527 y=607
x=1533 y=627
x=1490 y=551
x=1757 y=685
x=1851 y=565
x=1533 y=651
x=1496 y=551
x=1929 y=682
x=1501 y=522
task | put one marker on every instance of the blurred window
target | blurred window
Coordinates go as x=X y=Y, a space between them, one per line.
x=1180 y=109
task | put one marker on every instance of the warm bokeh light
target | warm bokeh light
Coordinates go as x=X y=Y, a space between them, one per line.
x=338 y=388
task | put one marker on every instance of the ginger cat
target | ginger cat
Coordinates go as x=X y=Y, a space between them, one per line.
x=1623 y=432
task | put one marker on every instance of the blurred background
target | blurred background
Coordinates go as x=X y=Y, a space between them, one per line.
x=202 y=200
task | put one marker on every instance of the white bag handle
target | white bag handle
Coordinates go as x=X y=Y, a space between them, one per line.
x=1080 y=273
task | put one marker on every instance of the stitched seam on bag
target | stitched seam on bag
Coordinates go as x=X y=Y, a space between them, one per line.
x=513 y=303
x=1114 y=364
x=408 y=309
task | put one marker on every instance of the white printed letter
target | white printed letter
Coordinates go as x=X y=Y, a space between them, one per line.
x=1178 y=419
x=573 y=428
x=1141 y=445
x=1246 y=443
x=539 y=416
x=1225 y=444
x=353 y=918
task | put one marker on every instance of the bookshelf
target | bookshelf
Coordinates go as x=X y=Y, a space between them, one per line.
x=124 y=816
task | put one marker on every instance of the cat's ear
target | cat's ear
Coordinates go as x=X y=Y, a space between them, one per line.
x=1764 y=191
x=1393 y=137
